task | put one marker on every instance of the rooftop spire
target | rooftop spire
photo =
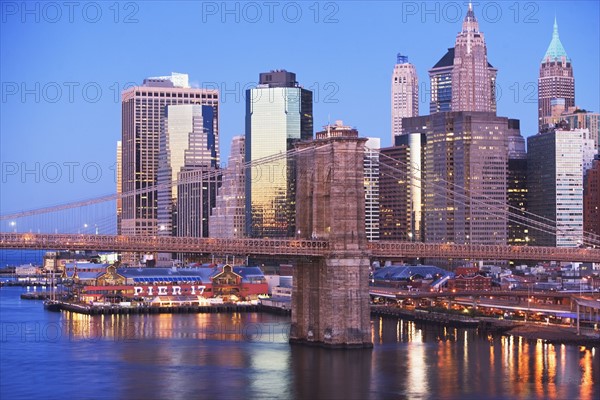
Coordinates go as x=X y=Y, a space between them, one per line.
x=555 y=50
x=470 y=23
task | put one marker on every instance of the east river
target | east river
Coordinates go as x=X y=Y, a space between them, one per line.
x=247 y=356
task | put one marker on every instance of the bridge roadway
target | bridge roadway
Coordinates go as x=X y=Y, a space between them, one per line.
x=289 y=247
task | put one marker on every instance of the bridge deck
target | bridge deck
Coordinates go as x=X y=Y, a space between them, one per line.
x=289 y=247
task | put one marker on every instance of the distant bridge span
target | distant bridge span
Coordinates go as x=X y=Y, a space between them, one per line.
x=289 y=247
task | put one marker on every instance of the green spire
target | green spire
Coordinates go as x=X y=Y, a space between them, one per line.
x=555 y=50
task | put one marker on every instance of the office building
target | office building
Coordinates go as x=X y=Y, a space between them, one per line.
x=591 y=202
x=278 y=115
x=556 y=84
x=583 y=119
x=465 y=173
x=228 y=218
x=187 y=143
x=473 y=79
x=143 y=111
x=401 y=190
x=371 y=171
x=463 y=79
x=119 y=181
x=555 y=173
x=518 y=231
x=405 y=93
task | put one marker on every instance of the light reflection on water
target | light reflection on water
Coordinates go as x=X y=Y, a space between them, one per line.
x=54 y=355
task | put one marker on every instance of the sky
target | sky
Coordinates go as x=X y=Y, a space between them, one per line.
x=64 y=64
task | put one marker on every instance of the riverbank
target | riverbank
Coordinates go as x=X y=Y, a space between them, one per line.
x=556 y=334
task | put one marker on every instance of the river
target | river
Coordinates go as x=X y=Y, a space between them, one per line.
x=247 y=356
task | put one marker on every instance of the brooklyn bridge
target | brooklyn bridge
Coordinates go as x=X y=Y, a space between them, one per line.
x=330 y=302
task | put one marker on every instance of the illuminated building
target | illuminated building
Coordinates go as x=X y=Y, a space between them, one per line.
x=278 y=115
x=463 y=79
x=143 y=112
x=556 y=84
x=228 y=216
x=405 y=93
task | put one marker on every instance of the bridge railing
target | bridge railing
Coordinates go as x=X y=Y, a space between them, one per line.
x=165 y=244
x=289 y=247
x=482 y=251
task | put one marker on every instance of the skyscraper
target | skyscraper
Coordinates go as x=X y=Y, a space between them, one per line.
x=463 y=79
x=583 y=119
x=228 y=218
x=555 y=173
x=371 y=171
x=465 y=173
x=401 y=190
x=473 y=81
x=591 y=200
x=556 y=84
x=405 y=94
x=187 y=142
x=518 y=233
x=440 y=78
x=119 y=181
x=143 y=110
x=278 y=114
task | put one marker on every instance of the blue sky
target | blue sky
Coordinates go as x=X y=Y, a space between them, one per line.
x=63 y=67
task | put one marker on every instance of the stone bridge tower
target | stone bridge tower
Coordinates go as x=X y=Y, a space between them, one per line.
x=330 y=302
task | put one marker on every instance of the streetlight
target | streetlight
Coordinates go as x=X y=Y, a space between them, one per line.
x=13 y=225
x=583 y=279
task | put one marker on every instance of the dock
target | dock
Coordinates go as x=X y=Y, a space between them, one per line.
x=150 y=309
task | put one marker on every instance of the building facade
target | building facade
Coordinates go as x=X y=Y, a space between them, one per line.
x=463 y=79
x=197 y=193
x=473 y=79
x=401 y=189
x=187 y=143
x=371 y=171
x=228 y=218
x=278 y=115
x=143 y=112
x=119 y=181
x=583 y=119
x=556 y=84
x=518 y=231
x=555 y=186
x=405 y=93
x=465 y=175
x=591 y=201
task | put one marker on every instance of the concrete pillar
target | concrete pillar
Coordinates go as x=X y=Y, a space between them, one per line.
x=330 y=301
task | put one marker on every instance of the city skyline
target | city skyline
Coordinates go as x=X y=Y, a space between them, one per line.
x=51 y=136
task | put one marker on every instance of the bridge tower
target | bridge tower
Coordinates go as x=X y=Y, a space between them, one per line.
x=330 y=301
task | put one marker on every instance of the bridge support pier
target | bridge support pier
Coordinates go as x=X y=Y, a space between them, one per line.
x=330 y=303
x=330 y=300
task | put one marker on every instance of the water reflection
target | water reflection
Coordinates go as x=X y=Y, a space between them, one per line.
x=248 y=356
x=451 y=362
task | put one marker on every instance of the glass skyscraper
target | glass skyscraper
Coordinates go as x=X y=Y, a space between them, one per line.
x=143 y=109
x=278 y=114
x=187 y=142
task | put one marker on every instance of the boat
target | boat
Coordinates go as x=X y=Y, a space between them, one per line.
x=52 y=304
